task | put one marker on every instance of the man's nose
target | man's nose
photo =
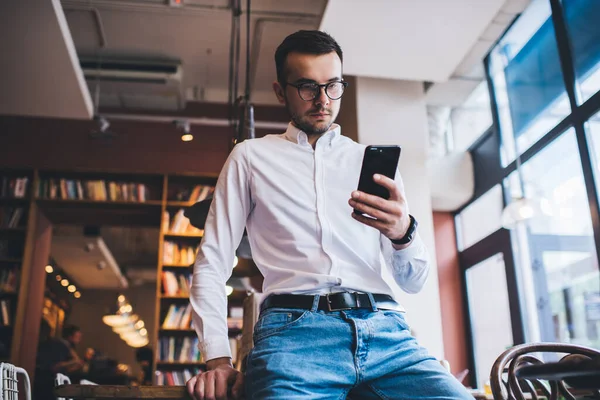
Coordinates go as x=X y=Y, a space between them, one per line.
x=322 y=97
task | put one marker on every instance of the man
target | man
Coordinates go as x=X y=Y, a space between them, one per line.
x=329 y=326
x=57 y=355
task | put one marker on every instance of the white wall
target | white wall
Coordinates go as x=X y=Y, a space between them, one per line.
x=393 y=112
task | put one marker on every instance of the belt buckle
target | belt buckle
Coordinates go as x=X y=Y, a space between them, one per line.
x=329 y=304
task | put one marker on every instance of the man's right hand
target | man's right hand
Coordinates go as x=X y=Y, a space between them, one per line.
x=214 y=384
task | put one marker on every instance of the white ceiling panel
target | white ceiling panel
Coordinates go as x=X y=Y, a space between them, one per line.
x=39 y=68
x=421 y=40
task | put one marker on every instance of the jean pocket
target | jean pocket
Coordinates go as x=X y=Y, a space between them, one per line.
x=275 y=320
x=398 y=317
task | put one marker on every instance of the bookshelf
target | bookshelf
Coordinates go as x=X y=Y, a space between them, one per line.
x=177 y=354
x=15 y=204
x=103 y=198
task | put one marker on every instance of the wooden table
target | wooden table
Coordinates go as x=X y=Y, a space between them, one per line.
x=98 y=392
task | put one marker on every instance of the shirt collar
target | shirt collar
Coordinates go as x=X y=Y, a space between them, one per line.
x=295 y=135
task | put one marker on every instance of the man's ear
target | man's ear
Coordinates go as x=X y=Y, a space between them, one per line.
x=278 y=89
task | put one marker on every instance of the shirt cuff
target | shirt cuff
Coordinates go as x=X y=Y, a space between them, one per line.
x=215 y=348
x=413 y=250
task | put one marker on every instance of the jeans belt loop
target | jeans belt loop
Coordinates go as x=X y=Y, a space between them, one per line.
x=315 y=304
x=372 y=300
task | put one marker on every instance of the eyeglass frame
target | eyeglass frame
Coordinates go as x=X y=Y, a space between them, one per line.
x=320 y=86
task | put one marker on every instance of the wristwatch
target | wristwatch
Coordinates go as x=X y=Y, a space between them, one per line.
x=410 y=232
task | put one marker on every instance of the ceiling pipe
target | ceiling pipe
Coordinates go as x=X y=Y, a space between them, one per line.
x=279 y=126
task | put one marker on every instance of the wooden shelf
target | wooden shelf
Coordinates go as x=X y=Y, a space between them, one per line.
x=176 y=265
x=175 y=331
x=8 y=232
x=14 y=201
x=112 y=213
x=10 y=260
x=180 y=364
x=180 y=203
x=162 y=296
x=170 y=235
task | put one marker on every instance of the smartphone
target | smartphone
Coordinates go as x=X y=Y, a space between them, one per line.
x=381 y=160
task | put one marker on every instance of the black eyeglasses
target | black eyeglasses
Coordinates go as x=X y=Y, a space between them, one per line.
x=308 y=91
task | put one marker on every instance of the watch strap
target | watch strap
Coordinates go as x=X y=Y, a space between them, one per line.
x=410 y=232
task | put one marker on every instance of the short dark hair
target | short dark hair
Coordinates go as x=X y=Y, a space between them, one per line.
x=306 y=42
x=69 y=331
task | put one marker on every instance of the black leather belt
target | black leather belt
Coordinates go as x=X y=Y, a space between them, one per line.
x=331 y=302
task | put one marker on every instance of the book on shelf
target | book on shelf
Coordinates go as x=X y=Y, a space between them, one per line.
x=4 y=312
x=176 y=378
x=10 y=217
x=179 y=225
x=95 y=190
x=178 y=317
x=176 y=284
x=9 y=280
x=14 y=187
x=194 y=194
x=178 y=253
x=179 y=349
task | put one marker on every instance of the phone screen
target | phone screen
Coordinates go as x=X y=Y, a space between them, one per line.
x=381 y=160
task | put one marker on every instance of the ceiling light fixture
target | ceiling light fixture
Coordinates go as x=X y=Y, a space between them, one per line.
x=49 y=269
x=522 y=209
x=184 y=125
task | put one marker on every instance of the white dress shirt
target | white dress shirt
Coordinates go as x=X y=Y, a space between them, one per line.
x=293 y=201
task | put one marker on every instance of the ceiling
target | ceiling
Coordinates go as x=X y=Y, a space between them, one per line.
x=133 y=251
x=31 y=56
x=421 y=40
x=197 y=35
x=425 y=40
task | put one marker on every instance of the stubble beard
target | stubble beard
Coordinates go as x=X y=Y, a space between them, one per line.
x=302 y=122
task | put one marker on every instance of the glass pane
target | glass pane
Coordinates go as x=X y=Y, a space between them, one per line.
x=480 y=219
x=581 y=18
x=528 y=80
x=593 y=135
x=490 y=314
x=559 y=280
x=472 y=119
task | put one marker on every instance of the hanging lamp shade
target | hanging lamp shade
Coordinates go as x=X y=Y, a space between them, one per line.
x=524 y=209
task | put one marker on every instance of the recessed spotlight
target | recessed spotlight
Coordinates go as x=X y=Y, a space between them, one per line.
x=77 y=295
x=64 y=282
x=49 y=269
x=58 y=278
x=187 y=137
x=71 y=288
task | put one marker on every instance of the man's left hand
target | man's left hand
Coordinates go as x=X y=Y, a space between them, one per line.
x=390 y=216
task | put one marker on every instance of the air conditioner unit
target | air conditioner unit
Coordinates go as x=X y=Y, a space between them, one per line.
x=135 y=84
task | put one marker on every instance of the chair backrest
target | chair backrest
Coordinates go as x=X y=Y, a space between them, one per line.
x=9 y=383
x=506 y=385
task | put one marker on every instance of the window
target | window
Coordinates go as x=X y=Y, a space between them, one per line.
x=558 y=266
x=480 y=218
x=489 y=310
x=581 y=19
x=593 y=135
x=528 y=81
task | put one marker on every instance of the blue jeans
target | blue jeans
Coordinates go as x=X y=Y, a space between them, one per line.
x=361 y=353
